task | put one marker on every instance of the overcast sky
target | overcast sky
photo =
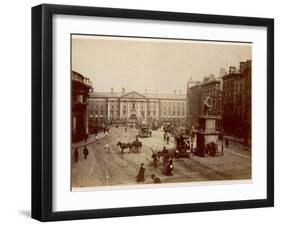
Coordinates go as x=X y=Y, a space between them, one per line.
x=152 y=64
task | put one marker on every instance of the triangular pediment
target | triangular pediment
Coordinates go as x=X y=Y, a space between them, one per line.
x=133 y=95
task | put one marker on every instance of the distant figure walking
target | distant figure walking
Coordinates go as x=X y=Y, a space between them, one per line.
x=76 y=155
x=107 y=148
x=245 y=143
x=226 y=142
x=168 y=139
x=156 y=180
x=150 y=133
x=155 y=158
x=86 y=137
x=164 y=137
x=85 y=152
x=140 y=176
x=126 y=129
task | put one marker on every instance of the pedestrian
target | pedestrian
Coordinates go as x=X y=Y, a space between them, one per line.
x=155 y=158
x=156 y=180
x=168 y=139
x=126 y=129
x=245 y=143
x=76 y=155
x=107 y=148
x=150 y=133
x=226 y=142
x=165 y=150
x=85 y=152
x=164 y=137
x=140 y=176
x=86 y=137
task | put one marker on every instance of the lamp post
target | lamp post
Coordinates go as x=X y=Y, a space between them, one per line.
x=221 y=140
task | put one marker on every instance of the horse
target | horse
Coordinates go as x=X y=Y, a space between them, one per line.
x=124 y=146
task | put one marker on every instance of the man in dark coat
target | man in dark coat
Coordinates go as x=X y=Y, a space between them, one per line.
x=155 y=179
x=165 y=150
x=168 y=139
x=155 y=159
x=76 y=155
x=226 y=142
x=140 y=176
x=85 y=152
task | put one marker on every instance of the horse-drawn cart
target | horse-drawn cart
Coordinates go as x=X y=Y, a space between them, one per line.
x=134 y=147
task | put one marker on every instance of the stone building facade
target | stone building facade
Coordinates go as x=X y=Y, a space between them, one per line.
x=132 y=107
x=237 y=100
x=81 y=87
x=194 y=96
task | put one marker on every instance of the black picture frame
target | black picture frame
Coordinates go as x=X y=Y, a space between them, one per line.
x=42 y=108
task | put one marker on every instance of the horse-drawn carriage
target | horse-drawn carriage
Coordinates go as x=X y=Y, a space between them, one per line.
x=144 y=131
x=134 y=147
x=168 y=128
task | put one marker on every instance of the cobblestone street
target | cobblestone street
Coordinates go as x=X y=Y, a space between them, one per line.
x=103 y=168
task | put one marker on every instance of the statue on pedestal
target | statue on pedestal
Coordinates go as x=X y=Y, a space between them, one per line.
x=207 y=105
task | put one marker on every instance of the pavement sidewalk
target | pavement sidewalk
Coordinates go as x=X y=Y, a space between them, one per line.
x=91 y=139
x=234 y=139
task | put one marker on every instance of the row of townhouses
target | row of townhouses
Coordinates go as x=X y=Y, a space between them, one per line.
x=229 y=95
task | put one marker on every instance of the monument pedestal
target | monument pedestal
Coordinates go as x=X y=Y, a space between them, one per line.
x=207 y=137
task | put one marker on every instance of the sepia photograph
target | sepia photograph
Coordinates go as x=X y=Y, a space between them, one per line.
x=148 y=111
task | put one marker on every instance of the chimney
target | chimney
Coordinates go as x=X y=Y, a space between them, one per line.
x=111 y=90
x=123 y=90
x=222 y=72
x=232 y=70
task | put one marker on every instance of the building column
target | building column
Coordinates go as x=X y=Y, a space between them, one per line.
x=127 y=109
x=157 y=111
x=120 y=106
x=138 y=110
x=145 y=110
x=108 y=110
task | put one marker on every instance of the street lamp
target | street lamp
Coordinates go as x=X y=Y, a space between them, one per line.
x=221 y=140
